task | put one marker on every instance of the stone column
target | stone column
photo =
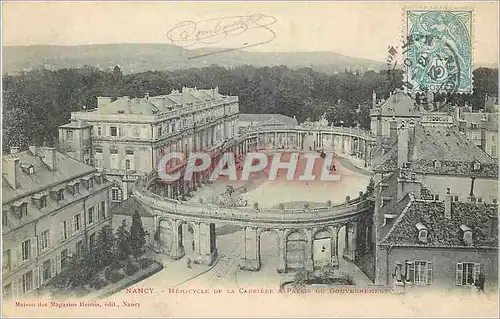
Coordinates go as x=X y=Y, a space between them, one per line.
x=251 y=259
x=282 y=250
x=177 y=250
x=205 y=250
x=350 y=239
x=308 y=262
x=335 y=259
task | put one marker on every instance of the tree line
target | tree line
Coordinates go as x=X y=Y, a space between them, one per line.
x=35 y=103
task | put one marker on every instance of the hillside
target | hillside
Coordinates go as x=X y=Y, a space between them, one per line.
x=141 y=57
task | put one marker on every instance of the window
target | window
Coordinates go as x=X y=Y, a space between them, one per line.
x=79 y=248
x=46 y=275
x=43 y=201
x=127 y=164
x=91 y=182
x=467 y=273
x=115 y=195
x=26 y=250
x=477 y=166
x=64 y=258
x=422 y=235
x=113 y=131
x=77 y=221
x=455 y=198
x=473 y=125
x=493 y=138
x=436 y=197
x=7 y=292
x=103 y=209
x=4 y=219
x=494 y=200
x=92 y=241
x=99 y=131
x=63 y=231
x=419 y=272
x=90 y=216
x=159 y=131
x=6 y=260
x=44 y=240
x=479 y=199
x=69 y=135
x=28 y=282
x=23 y=210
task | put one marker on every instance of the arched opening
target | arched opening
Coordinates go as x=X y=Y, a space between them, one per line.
x=295 y=251
x=322 y=249
x=186 y=239
x=308 y=143
x=269 y=250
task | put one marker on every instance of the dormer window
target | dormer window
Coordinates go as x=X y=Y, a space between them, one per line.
x=422 y=232
x=467 y=235
x=40 y=200
x=476 y=166
x=20 y=209
x=58 y=194
x=28 y=168
x=437 y=164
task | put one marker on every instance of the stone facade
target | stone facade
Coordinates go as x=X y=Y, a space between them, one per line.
x=52 y=207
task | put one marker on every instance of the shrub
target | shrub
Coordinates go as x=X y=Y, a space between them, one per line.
x=145 y=263
x=132 y=268
x=97 y=282
x=306 y=206
x=113 y=275
x=328 y=203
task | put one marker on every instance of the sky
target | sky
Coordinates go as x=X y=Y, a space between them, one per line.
x=358 y=29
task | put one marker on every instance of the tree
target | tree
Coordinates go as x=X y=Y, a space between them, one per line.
x=137 y=235
x=105 y=245
x=123 y=241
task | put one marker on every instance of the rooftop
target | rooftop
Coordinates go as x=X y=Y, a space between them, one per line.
x=268 y=120
x=443 y=232
x=399 y=104
x=42 y=177
x=128 y=207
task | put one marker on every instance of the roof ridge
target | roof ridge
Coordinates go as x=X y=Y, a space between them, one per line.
x=400 y=217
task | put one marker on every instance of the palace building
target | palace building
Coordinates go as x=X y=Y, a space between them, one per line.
x=125 y=138
x=53 y=206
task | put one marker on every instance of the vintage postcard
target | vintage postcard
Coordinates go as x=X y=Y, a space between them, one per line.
x=250 y=159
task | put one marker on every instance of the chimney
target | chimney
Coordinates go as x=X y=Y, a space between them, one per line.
x=403 y=139
x=393 y=129
x=483 y=133
x=11 y=170
x=14 y=149
x=447 y=204
x=49 y=158
x=374 y=99
x=32 y=149
x=408 y=183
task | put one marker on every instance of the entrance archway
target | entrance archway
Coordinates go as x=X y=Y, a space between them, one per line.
x=187 y=239
x=295 y=250
x=165 y=237
x=322 y=249
x=341 y=244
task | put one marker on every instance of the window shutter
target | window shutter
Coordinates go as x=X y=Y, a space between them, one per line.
x=459 y=274
x=429 y=273
x=53 y=267
x=33 y=247
x=61 y=232
x=15 y=257
x=477 y=270
x=15 y=289
x=410 y=274
x=70 y=226
x=20 y=287
x=58 y=263
x=36 y=278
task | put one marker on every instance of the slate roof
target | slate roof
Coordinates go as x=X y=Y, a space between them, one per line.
x=455 y=152
x=475 y=117
x=128 y=207
x=443 y=232
x=43 y=177
x=160 y=103
x=76 y=124
x=269 y=119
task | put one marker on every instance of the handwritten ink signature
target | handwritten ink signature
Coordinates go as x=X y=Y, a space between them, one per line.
x=208 y=32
